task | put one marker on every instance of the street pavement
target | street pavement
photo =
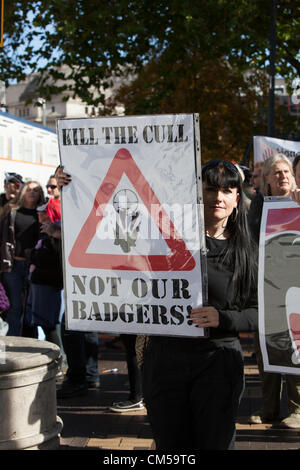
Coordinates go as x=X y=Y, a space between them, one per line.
x=90 y=425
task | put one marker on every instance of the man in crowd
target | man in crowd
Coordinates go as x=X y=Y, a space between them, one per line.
x=296 y=168
x=12 y=185
x=256 y=176
x=52 y=188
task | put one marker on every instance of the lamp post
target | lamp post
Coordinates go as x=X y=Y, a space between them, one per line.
x=271 y=126
x=42 y=102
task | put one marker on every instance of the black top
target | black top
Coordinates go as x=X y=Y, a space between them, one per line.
x=222 y=296
x=3 y=200
x=47 y=259
x=27 y=229
x=254 y=215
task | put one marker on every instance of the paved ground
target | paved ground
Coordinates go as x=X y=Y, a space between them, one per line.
x=89 y=425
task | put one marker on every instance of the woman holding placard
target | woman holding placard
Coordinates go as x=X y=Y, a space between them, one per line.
x=193 y=386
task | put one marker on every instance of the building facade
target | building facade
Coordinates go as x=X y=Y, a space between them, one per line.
x=22 y=100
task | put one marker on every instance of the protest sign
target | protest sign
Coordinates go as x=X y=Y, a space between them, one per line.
x=133 y=234
x=265 y=147
x=279 y=286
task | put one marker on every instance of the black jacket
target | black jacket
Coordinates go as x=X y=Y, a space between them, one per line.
x=222 y=295
x=254 y=215
x=7 y=241
x=48 y=263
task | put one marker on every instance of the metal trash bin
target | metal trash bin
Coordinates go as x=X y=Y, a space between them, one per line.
x=28 y=369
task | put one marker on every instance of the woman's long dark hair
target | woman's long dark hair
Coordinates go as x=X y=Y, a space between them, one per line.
x=241 y=252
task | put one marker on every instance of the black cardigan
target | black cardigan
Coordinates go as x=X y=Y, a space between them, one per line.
x=222 y=296
x=48 y=263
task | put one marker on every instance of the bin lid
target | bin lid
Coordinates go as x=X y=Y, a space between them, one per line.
x=18 y=353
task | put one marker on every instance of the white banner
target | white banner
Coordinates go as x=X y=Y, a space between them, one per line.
x=279 y=286
x=265 y=147
x=131 y=223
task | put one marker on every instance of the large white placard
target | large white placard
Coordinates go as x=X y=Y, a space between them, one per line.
x=279 y=286
x=265 y=147
x=132 y=227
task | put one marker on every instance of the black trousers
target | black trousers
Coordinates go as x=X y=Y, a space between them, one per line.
x=192 y=393
x=134 y=373
x=81 y=348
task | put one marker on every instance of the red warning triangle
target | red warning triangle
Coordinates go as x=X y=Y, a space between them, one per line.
x=179 y=260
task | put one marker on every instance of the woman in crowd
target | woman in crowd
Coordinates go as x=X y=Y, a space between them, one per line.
x=19 y=233
x=192 y=387
x=46 y=277
x=277 y=180
x=52 y=188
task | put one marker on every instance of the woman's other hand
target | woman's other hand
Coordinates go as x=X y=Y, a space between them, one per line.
x=204 y=317
x=53 y=230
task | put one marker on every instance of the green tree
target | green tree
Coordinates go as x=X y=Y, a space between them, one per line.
x=230 y=107
x=102 y=39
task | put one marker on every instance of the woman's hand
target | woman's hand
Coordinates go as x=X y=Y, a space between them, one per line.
x=62 y=178
x=32 y=268
x=204 y=317
x=295 y=195
x=53 y=230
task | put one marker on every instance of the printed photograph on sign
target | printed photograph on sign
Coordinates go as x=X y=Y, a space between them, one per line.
x=131 y=223
x=279 y=287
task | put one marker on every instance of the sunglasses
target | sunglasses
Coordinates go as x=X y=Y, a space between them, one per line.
x=51 y=186
x=214 y=163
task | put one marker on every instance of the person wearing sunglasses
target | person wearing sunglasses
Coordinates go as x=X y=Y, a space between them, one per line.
x=52 y=188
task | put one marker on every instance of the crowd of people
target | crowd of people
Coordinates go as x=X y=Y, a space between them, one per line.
x=32 y=279
x=195 y=408
x=277 y=178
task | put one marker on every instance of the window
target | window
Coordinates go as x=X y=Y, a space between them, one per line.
x=38 y=152
x=25 y=149
x=1 y=146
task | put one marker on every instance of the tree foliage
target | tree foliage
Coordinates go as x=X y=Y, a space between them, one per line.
x=185 y=55
x=230 y=107
x=100 y=39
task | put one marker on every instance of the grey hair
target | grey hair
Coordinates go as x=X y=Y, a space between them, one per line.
x=267 y=166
